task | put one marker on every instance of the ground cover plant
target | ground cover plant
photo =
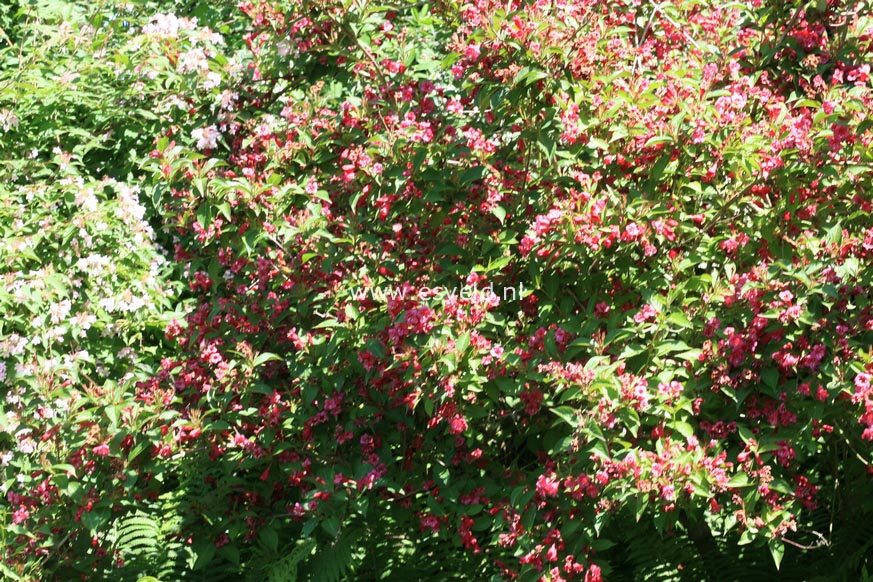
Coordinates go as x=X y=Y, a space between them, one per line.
x=517 y=290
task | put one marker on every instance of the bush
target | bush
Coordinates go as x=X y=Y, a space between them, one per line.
x=537 y=290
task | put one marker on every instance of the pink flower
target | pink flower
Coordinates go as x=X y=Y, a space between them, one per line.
x=670 y=390
x=601 y=309
x=101 y=450
x=668 y=493
x=552 y=553
x=526 y=245
x=457 y=424
x=430 y=522
x=20 y=515
x=647 y=313
x=472 y=52
x=593 y=574
x=547 y=485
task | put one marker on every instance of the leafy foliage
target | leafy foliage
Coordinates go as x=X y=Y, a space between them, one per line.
x=327 y=290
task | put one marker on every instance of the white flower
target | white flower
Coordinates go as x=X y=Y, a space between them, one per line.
x=177 y=102
x=94 y=265
x=60 y=311
x=13 y=345
x=193 y=60
x=129 y=209
x=55 y=332
x=212 y=81
x=2 y=371
x=85 y=320
x=8 y=119
x=168 y=25
x=228 y=99
x=26 y=444
x=207 y=137
x=86 y=199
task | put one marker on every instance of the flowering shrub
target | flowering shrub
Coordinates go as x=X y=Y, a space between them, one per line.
x=664 y=372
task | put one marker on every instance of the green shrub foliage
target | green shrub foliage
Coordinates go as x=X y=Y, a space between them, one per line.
x=538 y=290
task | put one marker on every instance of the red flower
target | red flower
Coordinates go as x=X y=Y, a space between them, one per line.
x=593 y=574
x=547 y=485
x=457 y=424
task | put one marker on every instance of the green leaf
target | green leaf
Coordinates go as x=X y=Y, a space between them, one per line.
x=231 y=552
x=224 y=208
x=684 y=428
x=641 y=505
x=270 y=538
x=739 y=480
x=777 y=550
x=770 y=376
x=597 y=143
x=95 y=519
x=567 y=414
x=203 y=551
x=331 y=526
x=600 y=449
x=680 y=319
x=264 y=358
x=658 y=139
x=500 y=213
x=112 y=415
x=462 y=343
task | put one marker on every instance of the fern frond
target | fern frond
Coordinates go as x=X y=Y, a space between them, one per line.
x=332 y=562
x=148 y=548
x=285 y=569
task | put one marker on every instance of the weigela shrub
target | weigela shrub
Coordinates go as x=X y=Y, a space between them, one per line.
x=479 y=288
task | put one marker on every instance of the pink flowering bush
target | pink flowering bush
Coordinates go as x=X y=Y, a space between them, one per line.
x=448 y=290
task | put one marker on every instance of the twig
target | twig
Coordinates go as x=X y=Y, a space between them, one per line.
x=822 y=542
x=785 y=31
x=57 y=548
x=851 y=448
